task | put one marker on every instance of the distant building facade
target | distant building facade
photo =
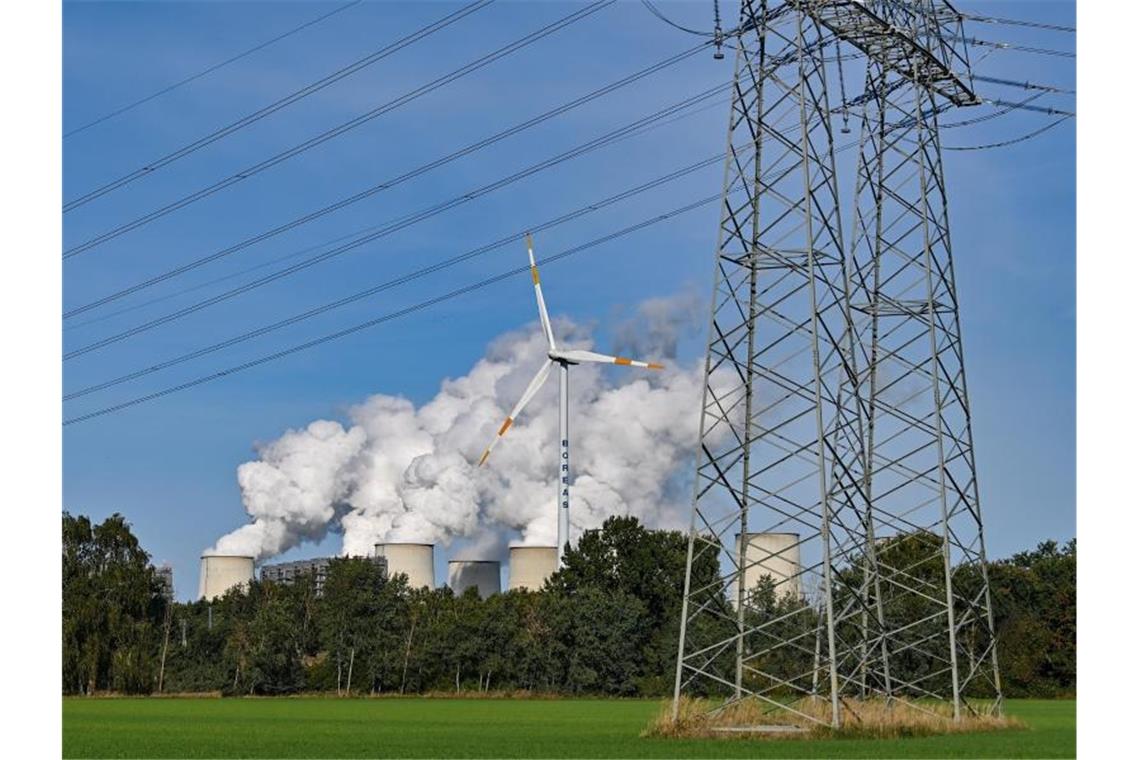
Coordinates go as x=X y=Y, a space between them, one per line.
x=165 y=575
x=318 y=568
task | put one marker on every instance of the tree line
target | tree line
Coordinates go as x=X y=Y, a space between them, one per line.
x=606 y=624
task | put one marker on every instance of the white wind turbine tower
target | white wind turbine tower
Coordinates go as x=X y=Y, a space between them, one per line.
x=564 y=360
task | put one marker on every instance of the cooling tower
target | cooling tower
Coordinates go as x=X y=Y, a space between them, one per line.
x=776 y=555
x=222 y=572
x=417 y=561
x=531 y=566
x=462 y=574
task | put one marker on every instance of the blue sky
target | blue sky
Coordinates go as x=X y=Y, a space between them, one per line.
x=169 y=464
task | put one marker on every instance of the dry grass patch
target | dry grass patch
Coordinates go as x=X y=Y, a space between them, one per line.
x=863 y=719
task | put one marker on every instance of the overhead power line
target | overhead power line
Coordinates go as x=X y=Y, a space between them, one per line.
x=330 y=242
x=178 y=270
x=1026 y=107
x=288 y=100
x=513 y=272
x=1024 y=85
x=1006 y=143
x=392 y=182
x=191 y=265
x=339 y=130
x=362 y=294
x=1010 y=46
x=1003 y=109
x=917 y=7
x=502 y=242
x=211 y=69
x=411 y=219
x=1018 y=22
x=104 y=316
x=339 y=238
x=653 y=9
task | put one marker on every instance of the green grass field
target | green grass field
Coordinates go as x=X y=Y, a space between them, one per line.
x=335 y=728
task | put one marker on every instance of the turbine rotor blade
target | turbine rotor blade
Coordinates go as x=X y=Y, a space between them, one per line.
x=528 y=394
x=579 y=356
x=538 y=293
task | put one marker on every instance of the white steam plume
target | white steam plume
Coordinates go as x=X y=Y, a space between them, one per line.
x=397 y=472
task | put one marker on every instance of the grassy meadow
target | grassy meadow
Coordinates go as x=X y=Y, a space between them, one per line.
x=483 y=728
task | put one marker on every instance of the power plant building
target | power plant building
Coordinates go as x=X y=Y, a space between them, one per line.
x=221 y=572
x=772 y=555
x=480 y=574
x=318 y=568
x=417 y=561
x=531 y=566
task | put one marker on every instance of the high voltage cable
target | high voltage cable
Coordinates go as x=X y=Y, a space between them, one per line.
x=392 y=182
x=313 y=215
x=395 y=314
x=1013 y=141
x=406 y=278
x=223 y=278
x=339 y=130
x=1009 y=46
x=1025 y=107
x=988 y=19
x=199 y=286
x=654 y=10
x=1024 y=85
x=1008 y=107
x=309 y=249
x=245 y=121
x=421 y=305
x=1018 y=22
x=211 y=69
x=362 y=294
x=434 y=164
x=410 y=219
x=578 y=213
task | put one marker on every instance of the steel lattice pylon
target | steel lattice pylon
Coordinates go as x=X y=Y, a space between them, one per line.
x=912 y=384
x=834 y=419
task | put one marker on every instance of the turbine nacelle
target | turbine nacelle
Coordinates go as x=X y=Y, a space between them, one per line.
x=575 y=356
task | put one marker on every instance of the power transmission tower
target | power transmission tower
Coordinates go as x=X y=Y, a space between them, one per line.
x=774 y=487
x=911 y=385
x=815 y=467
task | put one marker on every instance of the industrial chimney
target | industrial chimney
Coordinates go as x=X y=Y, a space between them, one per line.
x=776 y=555
x=417 y=561
x=221 y=572
x=462 y=574
x=531 y=566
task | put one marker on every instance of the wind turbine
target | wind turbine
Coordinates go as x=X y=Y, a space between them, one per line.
x=563 y=360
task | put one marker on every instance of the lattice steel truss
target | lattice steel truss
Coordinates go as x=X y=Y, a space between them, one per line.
x=912 y=384
x=834 y=413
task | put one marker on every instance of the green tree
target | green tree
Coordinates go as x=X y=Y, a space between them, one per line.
x=276 y=641
x=1035 y=612
x=350 y=609
x=602 y=635
x=649 y=566
x=112 y=608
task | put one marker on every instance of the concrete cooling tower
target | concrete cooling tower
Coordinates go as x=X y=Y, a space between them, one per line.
x=482 y=574
x=417 y=561
x=776 y=555
x=222 y=572
x=531 y=566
